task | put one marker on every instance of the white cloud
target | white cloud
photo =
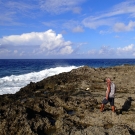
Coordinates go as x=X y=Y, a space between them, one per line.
x=20 y=5
x=10 y=10
x=4 y=51
x=91 y=52
x=134 y=54
x=15 y=51
x=53 y=41
x=22 y=53
x=78 y=29
x=126 y=49
x=73 y=26
x=123 y=51
x=93 y=23
x=110 y=17
x=66 y=50
x=47 y=41
x=124 y=8
x=118 y=27
x=105 y=50
x=77 y=10
x=127 y=7
x=60 y=6
x=70 y=24
x=24 y=39
x=109 y=52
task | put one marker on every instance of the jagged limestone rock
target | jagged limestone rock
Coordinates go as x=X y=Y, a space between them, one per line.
x=69 y=104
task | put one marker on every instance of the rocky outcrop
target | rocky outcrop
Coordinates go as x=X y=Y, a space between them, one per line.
x=69 y=104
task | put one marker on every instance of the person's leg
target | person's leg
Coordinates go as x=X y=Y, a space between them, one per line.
x=113 y=108
x=102 y=107
x=112 y=104
x=105 y=101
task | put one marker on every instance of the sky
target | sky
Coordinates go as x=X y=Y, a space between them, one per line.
x=74 y=29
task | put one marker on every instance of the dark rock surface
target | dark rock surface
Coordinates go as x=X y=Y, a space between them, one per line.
x=61 y=105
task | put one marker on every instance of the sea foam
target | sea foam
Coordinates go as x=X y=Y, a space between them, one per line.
x=12 y=84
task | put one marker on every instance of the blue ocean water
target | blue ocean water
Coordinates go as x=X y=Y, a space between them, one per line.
x=17 y=73
x=22 y=66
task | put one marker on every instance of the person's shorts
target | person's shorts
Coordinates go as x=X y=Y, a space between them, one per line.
x=111 y=100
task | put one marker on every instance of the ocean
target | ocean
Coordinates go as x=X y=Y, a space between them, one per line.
x=17 y=73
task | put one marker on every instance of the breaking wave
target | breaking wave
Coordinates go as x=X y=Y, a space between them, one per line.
x=12 y=84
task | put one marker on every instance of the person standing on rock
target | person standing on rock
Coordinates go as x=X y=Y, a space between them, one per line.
x=109 y=95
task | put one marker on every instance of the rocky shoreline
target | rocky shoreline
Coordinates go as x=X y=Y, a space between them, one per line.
x=62 y=104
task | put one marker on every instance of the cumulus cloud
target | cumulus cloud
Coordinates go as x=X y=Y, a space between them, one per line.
x=47 y=41
x=32 y=38
x=106 y=50
x=53 y=41
x=58 y=6
x=126 y=49
x=109 y=52
x=119 y=27
x=66 y=50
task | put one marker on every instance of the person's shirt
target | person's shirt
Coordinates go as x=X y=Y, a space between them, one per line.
x=110 y=92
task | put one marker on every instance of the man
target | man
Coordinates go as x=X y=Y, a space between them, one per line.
x=109 y=95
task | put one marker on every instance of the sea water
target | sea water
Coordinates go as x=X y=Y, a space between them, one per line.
x=17 y=73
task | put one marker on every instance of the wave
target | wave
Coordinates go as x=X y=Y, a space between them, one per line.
x=12 y=84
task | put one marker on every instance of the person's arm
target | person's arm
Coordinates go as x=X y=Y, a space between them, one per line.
x=108 y=90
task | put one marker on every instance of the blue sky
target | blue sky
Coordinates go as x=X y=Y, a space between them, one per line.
x=67 y=29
